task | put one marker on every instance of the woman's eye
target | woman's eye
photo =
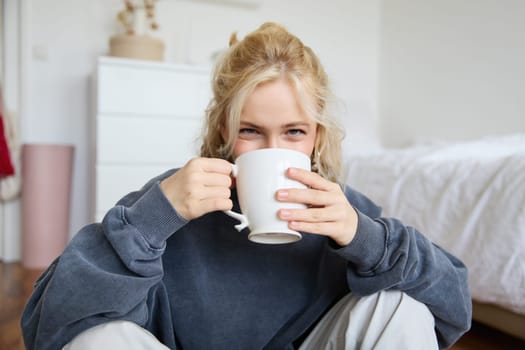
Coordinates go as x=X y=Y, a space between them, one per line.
x=295 y=132
x=247 y=131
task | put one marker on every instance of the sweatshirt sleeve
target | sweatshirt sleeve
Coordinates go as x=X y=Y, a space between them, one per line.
x=385 y=254
x=109 y=271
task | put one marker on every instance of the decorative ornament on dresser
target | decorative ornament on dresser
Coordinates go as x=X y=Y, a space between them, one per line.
x=138 y=20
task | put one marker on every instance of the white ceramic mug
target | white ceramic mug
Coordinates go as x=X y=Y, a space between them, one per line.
x=259 y=174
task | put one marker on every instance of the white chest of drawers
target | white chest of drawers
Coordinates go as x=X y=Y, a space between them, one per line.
x=148 y=118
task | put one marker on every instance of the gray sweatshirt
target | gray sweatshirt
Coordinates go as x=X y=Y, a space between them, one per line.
x=200 y=284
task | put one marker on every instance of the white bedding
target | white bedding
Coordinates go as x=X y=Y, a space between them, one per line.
x=467 y=197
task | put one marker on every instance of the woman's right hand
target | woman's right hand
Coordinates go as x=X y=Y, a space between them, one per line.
x=201 y=186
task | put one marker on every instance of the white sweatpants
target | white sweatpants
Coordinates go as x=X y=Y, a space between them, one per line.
x=385 y=320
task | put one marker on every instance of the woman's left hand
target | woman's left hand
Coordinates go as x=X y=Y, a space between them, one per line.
x=329 y=213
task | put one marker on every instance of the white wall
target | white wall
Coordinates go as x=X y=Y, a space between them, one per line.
x=451 y=69
x=63 y=38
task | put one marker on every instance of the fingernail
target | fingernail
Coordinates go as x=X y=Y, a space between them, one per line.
x=285 y=213
x=282 y=194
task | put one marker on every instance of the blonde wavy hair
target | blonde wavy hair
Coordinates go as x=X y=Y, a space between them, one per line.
x=268 y=54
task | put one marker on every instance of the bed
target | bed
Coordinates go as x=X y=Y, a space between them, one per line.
x=468 y=197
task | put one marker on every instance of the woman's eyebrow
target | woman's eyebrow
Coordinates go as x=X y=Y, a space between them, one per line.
x=297 y=124
x=248 y=124
x=288 y=125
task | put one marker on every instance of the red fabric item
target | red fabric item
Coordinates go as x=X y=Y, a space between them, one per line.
x=6 y=165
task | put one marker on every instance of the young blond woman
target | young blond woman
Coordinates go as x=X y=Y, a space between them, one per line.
x=167 y=269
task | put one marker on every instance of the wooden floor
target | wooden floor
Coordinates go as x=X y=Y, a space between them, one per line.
x=16 y=284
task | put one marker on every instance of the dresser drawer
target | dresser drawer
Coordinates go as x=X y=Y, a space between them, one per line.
x=147 y=140
x=115 y=181
x=151 y=90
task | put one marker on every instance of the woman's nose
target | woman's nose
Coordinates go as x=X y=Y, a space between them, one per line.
x=273 y=142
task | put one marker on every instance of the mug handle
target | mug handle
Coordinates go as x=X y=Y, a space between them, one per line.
x=238 y=216
x=243 y=219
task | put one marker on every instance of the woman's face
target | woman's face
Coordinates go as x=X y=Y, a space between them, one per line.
x=272 y=118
